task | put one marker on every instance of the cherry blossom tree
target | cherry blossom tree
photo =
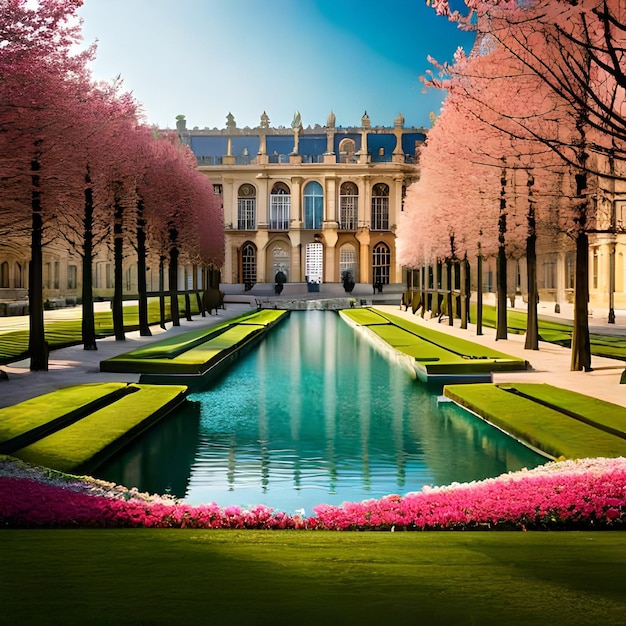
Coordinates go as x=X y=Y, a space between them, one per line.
x=577 y=50
x=40 y=79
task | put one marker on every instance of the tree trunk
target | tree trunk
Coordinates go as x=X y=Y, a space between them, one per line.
x=501 y=324
x=161 y=292
x=479 y=293
x=465 y=292
x=450 y=286
x=88 y=324
x=118 y=271
x=532 y=324
x=37 y=347
x=581 y=345
x=142 y=288
x=173 y=279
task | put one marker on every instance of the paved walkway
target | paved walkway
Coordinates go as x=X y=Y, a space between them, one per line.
x=550 y=364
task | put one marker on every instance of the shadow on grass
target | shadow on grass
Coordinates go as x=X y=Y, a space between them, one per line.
x=278 y=577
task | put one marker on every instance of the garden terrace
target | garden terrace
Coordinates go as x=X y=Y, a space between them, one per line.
x=77 y=428
x=555 y=422
x=196 y=353
x=433 y=356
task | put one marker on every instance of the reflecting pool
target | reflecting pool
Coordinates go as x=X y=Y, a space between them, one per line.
x=313 y=415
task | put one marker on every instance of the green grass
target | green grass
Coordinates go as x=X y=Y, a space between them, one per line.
x=601 y=414
x=544 y=428
x=32 y=414
x=194 y=352
x=610 y=346
x=82 y=446
x=436 y=353
x=311 y=578
x=62 y=333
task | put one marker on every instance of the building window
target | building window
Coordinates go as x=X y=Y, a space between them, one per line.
x=280 y=263
x=280 y=206
x=570 y=270
x=380 y=207
x=381 y=261
x=347 y=263
x=313 y=205
x=595 y=270
x=549 y=274
x=72 y=276
x=347 y=148
x=348 y=206
x=4 y=275
x=246 y=207
x=248 y=265
x=217 y=189
x=18 y=276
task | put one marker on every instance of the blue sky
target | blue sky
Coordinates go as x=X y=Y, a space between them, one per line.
x=204 y=58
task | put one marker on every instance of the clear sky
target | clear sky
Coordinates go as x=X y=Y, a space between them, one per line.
x=204 y=58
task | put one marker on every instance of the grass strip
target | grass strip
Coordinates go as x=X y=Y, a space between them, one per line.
x=278 y=577
x=364 y=317
x=28 y=421
x=610 y=346
x=606 y=416
x=460 y=346
x=83 y=445
x=63 y=333
x=263 y=317
x=536 y=425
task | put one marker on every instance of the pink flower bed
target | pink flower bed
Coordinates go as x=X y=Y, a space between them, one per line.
x=588 y=493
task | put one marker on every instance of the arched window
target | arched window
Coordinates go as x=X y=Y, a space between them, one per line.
x=380 y=207
x=246 y=207
x=348 y=206
x=17 y=273
x=381 y=260
x=4 y=275
x=347 y=148
x=280 y=262
x=313 y=205
x=347 y=263
x=280 y=205
x=248 y=265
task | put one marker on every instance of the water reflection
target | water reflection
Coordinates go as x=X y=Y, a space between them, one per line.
x=314 y=414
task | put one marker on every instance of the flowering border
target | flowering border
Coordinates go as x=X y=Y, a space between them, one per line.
x=586 y=493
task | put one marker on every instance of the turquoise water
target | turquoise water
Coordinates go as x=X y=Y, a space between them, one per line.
x=314 y=415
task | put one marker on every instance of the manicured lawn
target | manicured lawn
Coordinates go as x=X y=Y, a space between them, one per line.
x=543 y=427
x=610 y=346
x=62 y=333
x=284 y=577
x=84 y=444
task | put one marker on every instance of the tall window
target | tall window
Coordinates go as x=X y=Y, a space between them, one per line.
x=246 y=207
x=313 y=205
x=18 y=275
x=380 y=207
x=570 y=270
x=280 y=205
x=280 y=262
x=348 y=206
x=381 y=260
x=4 y=275
x=248 y=265
x=347 y=262
x=72 y=276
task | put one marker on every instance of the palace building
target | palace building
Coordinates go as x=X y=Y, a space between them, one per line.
x=315 y=205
